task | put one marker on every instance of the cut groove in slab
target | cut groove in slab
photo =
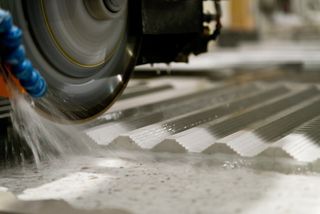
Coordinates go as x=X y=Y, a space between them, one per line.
x=219 y=148
x=169 y=146
x=123 y=143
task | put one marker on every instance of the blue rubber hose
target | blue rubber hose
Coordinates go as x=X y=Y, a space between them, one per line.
x=13 y=53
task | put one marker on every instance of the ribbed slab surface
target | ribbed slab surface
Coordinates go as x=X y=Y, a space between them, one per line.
x=134 y=118
x=249 y=120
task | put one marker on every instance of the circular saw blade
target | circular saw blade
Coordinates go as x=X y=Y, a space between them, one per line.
x=86 y=61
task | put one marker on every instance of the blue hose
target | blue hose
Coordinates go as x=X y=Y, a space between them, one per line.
x=13 y=53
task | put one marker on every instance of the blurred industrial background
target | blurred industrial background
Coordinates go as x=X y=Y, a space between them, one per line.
x=260 y=33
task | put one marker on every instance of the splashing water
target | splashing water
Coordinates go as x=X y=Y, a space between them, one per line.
x=46 y=139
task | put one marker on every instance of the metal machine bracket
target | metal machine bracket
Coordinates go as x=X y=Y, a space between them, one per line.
x=172 y=29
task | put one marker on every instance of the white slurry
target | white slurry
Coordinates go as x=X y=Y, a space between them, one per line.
x=172 y=183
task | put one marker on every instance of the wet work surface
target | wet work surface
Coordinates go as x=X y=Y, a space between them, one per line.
x=186 y=147
x=164 y=183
